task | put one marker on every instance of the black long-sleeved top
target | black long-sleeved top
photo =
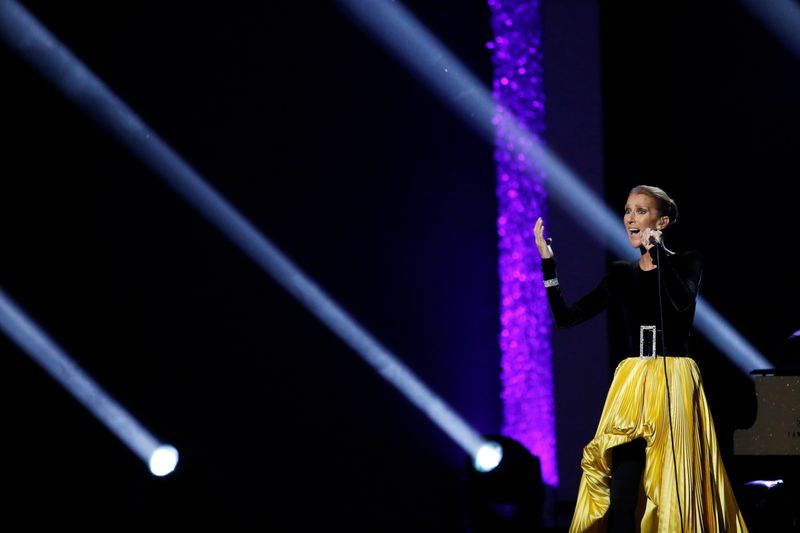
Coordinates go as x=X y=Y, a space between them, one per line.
x=637 y=292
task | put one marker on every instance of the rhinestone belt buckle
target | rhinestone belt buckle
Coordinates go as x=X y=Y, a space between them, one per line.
x=647 y=342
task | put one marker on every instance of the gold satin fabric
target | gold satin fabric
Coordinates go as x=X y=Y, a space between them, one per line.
x=636 y=406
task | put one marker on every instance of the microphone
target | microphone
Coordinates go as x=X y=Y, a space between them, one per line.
x=652 y=240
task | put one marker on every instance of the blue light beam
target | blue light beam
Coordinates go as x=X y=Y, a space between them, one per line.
x=57 y=64
x=429 y=60
x=161 y=458
x=781 y=17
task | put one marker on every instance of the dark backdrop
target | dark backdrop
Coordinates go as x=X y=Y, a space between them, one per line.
x=380 y=194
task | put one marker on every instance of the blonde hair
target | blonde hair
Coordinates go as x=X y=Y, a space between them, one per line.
x=666 y=206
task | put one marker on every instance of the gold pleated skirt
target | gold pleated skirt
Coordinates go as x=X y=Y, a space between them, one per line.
x=636 y=406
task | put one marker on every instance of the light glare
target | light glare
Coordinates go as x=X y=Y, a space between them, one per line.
x=488 y=456
x=164 y=460
x=56 y=362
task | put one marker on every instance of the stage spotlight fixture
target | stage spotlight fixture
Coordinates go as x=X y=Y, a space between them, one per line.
x=508 y=497
x=56 y=362
x=163 y=460
x=488 y=457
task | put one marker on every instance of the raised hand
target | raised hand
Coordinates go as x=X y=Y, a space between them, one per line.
x=542 y=244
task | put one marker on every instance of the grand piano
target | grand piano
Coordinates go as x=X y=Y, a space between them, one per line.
x=776 y=431
x=767 y=455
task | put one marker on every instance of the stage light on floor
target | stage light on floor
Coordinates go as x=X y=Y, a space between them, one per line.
x=164 y=460
x=508 y=497
x=488 y=456
x=55 y=361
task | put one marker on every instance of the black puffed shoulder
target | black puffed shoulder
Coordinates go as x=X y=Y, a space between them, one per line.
x=690 y=261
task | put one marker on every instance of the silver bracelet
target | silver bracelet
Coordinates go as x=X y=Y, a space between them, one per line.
x=551 y=282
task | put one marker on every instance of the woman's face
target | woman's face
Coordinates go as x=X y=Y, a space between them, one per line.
x=640 y=213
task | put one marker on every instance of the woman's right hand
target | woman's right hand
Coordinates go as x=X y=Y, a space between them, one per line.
x=545 y=251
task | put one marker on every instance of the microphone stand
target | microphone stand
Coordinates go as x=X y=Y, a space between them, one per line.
x=659 y=266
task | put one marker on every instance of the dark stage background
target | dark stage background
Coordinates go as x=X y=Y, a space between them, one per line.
x=387 y=199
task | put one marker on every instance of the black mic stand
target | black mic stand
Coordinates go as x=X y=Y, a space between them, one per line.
x=659 y=265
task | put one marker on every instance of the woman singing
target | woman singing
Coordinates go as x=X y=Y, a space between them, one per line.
x=654 y=463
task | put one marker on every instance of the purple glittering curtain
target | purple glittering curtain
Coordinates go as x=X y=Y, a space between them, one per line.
x=525 y=318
